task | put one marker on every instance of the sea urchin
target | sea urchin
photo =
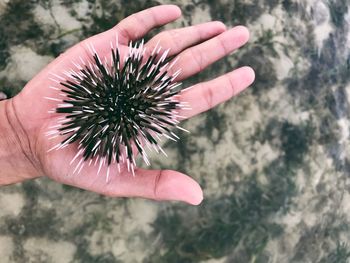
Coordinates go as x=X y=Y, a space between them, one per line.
x=114 y=107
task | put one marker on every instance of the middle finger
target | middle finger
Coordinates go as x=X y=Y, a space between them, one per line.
x=178 y=40
x=197 y=58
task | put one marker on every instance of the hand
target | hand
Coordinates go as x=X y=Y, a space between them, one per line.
x=197 y=47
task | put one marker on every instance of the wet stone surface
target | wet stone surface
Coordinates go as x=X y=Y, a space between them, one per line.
x=273 y=162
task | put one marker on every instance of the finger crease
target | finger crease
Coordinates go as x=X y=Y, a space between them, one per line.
x=156 y=183
x=223 y=46
x=198 y=59
x=124 y=33
x=208 y=96
x=174 y=35
x=232 y=85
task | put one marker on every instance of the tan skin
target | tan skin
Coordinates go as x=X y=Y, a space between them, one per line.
x=25 y=118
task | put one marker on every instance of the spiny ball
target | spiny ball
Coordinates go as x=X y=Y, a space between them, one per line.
x=113 y=106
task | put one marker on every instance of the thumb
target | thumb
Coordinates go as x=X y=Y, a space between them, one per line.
x=173 y=185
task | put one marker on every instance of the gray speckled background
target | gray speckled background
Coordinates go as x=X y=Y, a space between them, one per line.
x=273 y=161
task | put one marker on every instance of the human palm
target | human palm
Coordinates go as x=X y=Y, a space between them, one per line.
x=195 y=47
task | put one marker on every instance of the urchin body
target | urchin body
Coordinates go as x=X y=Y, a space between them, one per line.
x=114 y=107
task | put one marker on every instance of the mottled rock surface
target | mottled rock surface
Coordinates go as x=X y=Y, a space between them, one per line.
x=273 y=161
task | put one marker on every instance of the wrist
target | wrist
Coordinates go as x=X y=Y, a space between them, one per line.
x=16 y=160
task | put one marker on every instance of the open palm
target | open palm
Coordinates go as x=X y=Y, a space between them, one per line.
x=196 y=48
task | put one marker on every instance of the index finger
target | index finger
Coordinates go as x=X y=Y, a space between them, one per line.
x=131 y=28
x=139 y=24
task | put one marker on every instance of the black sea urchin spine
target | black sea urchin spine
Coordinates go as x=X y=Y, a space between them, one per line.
x=113 y=107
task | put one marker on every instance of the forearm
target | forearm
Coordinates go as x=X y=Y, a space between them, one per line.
x=15 y=164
